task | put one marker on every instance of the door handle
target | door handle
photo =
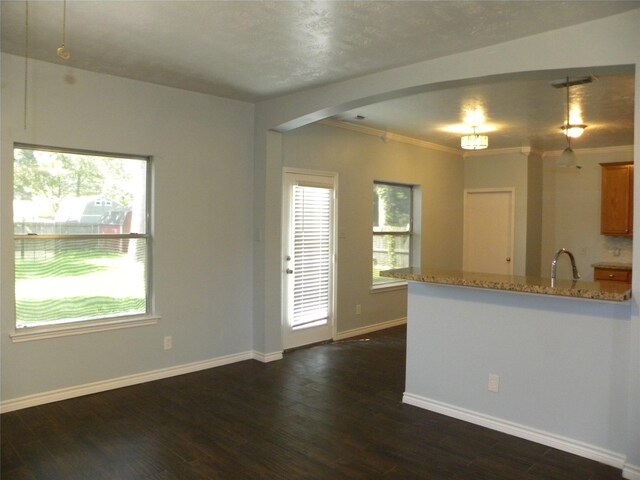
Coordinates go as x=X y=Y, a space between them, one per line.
x=508 y=259
x=289 y=271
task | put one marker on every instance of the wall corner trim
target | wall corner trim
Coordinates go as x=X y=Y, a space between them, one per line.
x=528 y=433
x=266 y=357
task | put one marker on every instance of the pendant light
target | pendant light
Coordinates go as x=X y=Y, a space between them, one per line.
x=62 y=50
x=474 y=141
x=568 y=157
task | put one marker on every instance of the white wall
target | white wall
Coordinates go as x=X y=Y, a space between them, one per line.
x=571 y=213
x=202 y=149
x=360 y=159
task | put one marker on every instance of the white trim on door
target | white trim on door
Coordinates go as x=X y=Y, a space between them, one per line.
x=308 y=178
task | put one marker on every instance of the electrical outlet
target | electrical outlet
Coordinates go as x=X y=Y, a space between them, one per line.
x=494 y=383
x=358 y=309
x=168 y=343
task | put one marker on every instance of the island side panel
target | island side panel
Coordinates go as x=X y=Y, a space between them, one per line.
x=562 y=362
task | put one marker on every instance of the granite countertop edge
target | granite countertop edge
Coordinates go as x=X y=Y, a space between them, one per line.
x=606 y=291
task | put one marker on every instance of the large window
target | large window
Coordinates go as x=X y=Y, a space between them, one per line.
x=392 y=228
x=81 y=236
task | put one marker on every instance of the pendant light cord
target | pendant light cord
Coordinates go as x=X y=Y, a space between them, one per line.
x=62 y=51
x=64 y=23
x=568 y=123
x=26 y=61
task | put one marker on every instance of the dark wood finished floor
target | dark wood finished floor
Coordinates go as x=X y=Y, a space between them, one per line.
x=327 y=412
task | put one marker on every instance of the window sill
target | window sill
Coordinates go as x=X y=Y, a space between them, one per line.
x=388 y=287
x=28 y=334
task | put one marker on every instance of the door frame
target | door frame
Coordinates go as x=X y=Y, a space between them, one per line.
x=512 y=207
x=284 y=247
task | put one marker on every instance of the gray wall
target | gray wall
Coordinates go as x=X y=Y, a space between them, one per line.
x=202 y=150
x=534 y=215
x=617 y=39
x=360 y=159
x=504 y=170
x=562 y=363
x=571 y=213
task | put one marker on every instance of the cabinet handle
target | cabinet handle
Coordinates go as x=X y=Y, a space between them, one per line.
x=611 y=275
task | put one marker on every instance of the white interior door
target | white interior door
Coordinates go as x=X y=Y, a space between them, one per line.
x=488 y=231
x=308 y=253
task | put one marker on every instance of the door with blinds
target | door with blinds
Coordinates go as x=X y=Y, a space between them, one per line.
x=308 y=258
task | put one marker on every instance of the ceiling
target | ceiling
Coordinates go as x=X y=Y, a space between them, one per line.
x=517 y=112
x=256 y=50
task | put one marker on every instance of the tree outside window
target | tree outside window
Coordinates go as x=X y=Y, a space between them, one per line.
x=81 y=236
x=392 y=228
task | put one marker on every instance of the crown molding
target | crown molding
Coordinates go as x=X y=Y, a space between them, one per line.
x=599 y=150
x=502 y=151
x=524 y=150
x=388 y=136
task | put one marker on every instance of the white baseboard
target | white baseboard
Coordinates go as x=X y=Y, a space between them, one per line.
x=632 y=472
x=267 y=357
x=126 y=381
x=370 y=328
x=545 y=438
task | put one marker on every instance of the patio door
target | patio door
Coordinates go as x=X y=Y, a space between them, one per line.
x=308 y=258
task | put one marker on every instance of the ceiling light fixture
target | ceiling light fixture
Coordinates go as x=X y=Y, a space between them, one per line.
x=62 y=50
x=474 y=141
x=568 y=157
x=573 y=130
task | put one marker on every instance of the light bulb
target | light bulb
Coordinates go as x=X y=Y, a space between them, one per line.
x=573 y=130
x=63 y=53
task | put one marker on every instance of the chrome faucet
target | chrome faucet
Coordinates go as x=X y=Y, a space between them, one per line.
x=554 y=266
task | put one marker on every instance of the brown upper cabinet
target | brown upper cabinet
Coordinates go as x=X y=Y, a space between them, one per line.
x=616 y=211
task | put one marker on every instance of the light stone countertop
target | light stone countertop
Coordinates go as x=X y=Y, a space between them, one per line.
x=612 y=265
x=608 y=291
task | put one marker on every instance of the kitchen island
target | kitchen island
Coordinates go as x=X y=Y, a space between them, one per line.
x=549 y=364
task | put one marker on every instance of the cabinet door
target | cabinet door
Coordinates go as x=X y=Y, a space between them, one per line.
x=617 y=199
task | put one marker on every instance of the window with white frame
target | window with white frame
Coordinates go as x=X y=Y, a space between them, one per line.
x=392 y=228
x=81 y=230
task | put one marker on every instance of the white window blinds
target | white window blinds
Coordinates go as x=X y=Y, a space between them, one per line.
x=311 y=254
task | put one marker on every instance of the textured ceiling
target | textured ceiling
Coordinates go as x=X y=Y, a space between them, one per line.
x=256 y=50
x=524 y=112
x=260 y=49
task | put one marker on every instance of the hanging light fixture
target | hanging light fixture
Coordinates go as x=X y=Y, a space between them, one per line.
x=573 y=130
x=568 y=157
x=62 y=50
x=474 y=141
